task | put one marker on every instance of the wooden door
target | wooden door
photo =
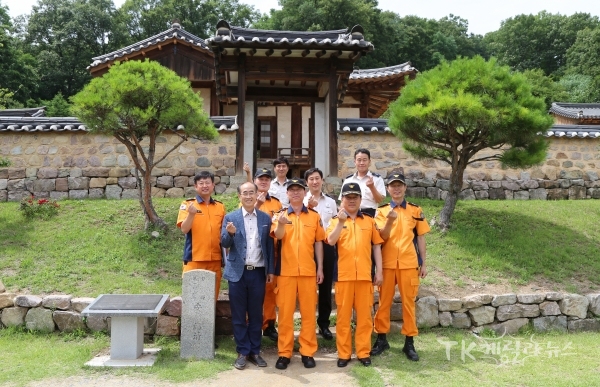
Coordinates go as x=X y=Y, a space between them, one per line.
x=267 y=128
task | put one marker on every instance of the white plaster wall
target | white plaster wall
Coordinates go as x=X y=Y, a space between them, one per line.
x=248 y=134
x=284 y=126
x=305 y=126
x=205 y=94
x=267 y=111
x=321 y=138
x=230 y=110
x=348 y=113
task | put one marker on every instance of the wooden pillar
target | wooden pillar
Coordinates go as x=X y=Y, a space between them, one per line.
x=364 y=106
x=311 y=133
x=333 y=102
x=214 y=102
x=296 y=140
x=239 y=167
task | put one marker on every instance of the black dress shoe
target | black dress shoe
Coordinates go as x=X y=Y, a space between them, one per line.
x=282 y=362
x=308 y=361
x=366 y=361
x=381 y=344
x=271 y=333
x=257 y=360
x=240 y=362
x=343 y=362
x=326 y=333
x=410 y=352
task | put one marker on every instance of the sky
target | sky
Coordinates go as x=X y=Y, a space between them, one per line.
x=483 y=15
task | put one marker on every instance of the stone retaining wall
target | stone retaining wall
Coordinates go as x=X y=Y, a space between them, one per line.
x=505 y=313
x=81 y=166
x=571 y=170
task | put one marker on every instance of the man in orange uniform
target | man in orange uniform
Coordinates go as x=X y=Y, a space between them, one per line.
x=300 y=233
x=402 y=225
x=200 y=219
x=271 y=205
x=354 y=233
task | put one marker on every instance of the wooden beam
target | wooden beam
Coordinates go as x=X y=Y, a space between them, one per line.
x=336 y=54
x=286 y=52
x=305 y=52
x=252 y=51
x=278 y=99
x=257 y=82
x=272 y=82
x=240 y=112
x=287 y=76
x=303 y=83
x=269 y=52
x=287 y=82
x=320 y=53
x=236 y=51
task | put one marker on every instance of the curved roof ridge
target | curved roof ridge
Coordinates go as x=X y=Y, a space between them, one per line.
x=576 y=110
x=176 y=31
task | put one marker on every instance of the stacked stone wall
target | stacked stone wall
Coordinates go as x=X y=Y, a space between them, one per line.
x=571 y=170
x=505 y=313
x=62 y=165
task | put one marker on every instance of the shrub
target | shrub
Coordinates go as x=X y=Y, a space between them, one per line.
x=40 y=208
x=4 y=162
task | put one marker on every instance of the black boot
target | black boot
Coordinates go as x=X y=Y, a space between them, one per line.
x=381 y=344
x=409 y=349
x=270 y=331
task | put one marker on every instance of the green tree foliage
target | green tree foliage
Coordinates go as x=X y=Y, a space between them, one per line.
x=538 y=41
x=546 y=88
x=64 y=35
x=145 y=18
x=583 y=57
x=580 y=88
x=17 y=69
x=470 y=110
x=137 y=101
x=57 y=106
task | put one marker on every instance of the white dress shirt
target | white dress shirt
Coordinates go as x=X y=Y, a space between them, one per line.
x=326 y=208
x=367 y=200
x=280 y=191
x=254 y=255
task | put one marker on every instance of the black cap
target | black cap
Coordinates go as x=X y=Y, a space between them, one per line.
x=395 y=177
x=263 y=172
x=351 y=189
x=296 y=181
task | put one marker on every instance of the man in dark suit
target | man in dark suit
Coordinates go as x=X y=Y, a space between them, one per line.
x=248 y=267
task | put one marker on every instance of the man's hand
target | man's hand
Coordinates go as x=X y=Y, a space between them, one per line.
x=247 y=167
x=392 y=216
x=378 y=280
x=320 y=276
x=270 y=278
x=260 y=199
x=342 y=215
x=370 y=183
x=230 y=228
x=283 y=219
x=312 y=202
x=192 y=210
x=423 y=271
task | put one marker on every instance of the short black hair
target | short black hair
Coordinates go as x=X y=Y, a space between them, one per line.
x=240 y=186
x=311 y=171
x=281 y=160
x=362 y=150
x=204 y=175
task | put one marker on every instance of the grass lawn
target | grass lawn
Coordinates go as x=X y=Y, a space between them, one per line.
x=99 y=246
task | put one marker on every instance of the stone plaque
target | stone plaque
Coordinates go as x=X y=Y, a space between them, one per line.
x=198 y=315
x=127 y=302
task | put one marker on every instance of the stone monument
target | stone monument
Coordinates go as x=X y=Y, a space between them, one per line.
x=198 y=315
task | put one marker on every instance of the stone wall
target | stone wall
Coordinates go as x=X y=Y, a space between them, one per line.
x=571 y=170
x=79 y=165
x=505 y=313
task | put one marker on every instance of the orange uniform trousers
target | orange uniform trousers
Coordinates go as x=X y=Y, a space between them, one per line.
x=304 y=289
x=408 y=284
x=214 y=266
x=357 y=295
x=269 y=311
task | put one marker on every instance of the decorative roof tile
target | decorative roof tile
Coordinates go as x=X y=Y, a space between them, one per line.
x=175 y=32
x=576 y=110
x=574 y=131
x=354 y=125
x=382 y=72
x=27 y=112
x=72 y=124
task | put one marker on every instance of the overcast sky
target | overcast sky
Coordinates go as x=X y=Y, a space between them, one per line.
x=483 y=15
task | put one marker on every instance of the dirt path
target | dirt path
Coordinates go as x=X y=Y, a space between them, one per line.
x=326 y=373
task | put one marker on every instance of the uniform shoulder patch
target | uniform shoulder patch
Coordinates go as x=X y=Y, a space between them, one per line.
x=375 y=174
x=218 y=201
x=384 y=205
x=413 y=204
x=329 y=196
x=310 y=209
x=349 y=176
x=190 y=199
x=365 y=214
x=183 y=207
x=274 y=198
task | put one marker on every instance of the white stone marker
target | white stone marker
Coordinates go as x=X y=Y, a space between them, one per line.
x=198 y=315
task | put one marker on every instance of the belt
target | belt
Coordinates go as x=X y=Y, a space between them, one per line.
x=252 y=267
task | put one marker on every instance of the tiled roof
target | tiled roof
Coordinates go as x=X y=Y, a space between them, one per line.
x=289 y=39
x=27 y=112
x=355 y=125
x=572 y=131
x=175 y=32
x=382 y=72
x=72 y=124
x=576 y=110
